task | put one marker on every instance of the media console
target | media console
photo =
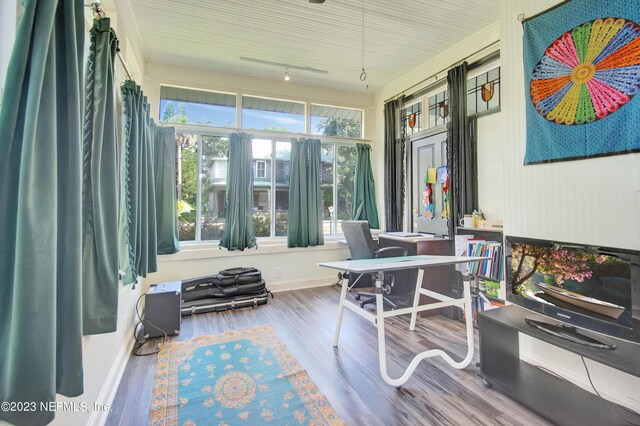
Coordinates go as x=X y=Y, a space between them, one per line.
x=557 y=400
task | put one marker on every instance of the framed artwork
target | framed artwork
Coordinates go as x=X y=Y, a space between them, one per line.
x=582 y=72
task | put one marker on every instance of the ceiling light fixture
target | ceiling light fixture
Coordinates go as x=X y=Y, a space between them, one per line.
x=283 y=65
x=363 y=74
x=286 y=75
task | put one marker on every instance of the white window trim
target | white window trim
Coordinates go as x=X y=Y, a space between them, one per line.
x=264 y=169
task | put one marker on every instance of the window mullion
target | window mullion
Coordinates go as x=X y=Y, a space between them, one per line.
x=334 y=216
x=273 y=188
x=199 y=191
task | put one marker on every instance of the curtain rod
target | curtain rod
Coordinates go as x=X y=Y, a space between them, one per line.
x=442 y=70
x=99 y=13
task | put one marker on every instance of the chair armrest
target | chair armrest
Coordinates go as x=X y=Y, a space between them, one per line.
x=384 y=250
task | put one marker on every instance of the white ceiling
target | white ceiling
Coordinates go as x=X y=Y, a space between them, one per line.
x=399 y=36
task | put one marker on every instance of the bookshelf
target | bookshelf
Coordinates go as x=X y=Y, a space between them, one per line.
x=488 y=284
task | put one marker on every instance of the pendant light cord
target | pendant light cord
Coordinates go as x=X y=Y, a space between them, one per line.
x=363 y=75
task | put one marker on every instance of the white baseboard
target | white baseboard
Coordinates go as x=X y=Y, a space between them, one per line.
x=580 y=379
x=110 y=387
x=299 y=285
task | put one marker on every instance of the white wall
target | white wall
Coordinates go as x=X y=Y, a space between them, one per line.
x=490 y=166
x=445 y=60
x=587 y=201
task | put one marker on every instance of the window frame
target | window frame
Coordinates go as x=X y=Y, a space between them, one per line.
x=210 y=131
x=264 y=169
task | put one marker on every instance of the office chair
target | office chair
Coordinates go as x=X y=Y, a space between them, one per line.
x=361 y=246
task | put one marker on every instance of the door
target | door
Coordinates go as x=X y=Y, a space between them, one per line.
x=427 y=152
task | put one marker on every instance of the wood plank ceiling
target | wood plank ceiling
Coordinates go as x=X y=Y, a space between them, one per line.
x=399 y=36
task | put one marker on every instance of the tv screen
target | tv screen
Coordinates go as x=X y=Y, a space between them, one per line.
x=590 y=287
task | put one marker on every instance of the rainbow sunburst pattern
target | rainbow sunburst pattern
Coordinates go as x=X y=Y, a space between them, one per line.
x=588 y=73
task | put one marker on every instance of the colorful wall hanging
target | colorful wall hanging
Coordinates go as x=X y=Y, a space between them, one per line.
x=582 y=71
x=427 y=194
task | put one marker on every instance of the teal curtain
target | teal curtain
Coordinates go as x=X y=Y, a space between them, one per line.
x=238 y=231
x=100 y=178
x=138 y=237
x=305 y=195
x=166 y=207
x=364 y=193
x=41 y=214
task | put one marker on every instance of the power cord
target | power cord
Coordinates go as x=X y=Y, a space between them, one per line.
x=141 y=322
x=607 y=402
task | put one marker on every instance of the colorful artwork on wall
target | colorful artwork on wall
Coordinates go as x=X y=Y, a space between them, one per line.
x=582 y=71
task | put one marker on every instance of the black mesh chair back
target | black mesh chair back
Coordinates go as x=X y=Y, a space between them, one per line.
x=358 y=236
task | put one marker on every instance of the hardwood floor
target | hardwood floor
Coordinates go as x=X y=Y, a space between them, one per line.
x=305 y=319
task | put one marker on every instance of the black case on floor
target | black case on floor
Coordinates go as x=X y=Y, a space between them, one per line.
x=224 y=303
x=203 y=291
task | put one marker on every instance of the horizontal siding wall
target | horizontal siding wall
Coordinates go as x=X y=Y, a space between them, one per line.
x=586 y=201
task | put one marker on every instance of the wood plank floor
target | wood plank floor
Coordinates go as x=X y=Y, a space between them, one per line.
x=305 y=319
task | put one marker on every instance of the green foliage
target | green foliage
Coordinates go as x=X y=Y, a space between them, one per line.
x=171 y=115
x=341 y=127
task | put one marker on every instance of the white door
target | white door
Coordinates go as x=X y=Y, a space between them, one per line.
x=427 y=152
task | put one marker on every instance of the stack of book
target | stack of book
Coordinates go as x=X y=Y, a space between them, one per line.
x=467 y=245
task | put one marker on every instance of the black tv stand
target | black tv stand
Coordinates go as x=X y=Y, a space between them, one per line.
x=568 y=332
x=552 y=397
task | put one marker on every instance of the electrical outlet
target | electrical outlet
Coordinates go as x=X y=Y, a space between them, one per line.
x=278 y=272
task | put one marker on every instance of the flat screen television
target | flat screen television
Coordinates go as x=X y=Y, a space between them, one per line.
x=595 y=288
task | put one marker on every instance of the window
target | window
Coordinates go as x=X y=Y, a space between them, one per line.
x=261 y=169
x=190 y=106
x=411 y=119
x=483 y=92
x=202 y=159
x=334 y=121
x=438 y=109
x=272 y=114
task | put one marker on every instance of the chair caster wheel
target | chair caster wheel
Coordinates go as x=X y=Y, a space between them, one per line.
x=362 y=305
x=357 y=297
x=487 y=384
x=398 y=387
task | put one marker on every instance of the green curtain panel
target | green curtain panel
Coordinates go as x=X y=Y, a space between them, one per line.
x=41 y=214
x=100 y=177
x=165 y=170
x=138 y=236
x=305 y=195
x=238 y=231
x=364 y=194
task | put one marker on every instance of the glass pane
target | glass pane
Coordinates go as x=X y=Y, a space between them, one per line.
x=346 y=167
x=326 y=173
x=333 y=121
x=180 y=105
x=272 y=114
x=283 y=174
x=262 y=188
x=187 y=181
x=214 y=183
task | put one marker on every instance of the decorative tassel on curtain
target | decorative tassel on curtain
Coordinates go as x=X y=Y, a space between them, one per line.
x=461 y=150
x=165 y=171
x=238 y=233
x=138 y=236
x=305 y=195
x=393 y=166
x=100 y=177
x=41 y=214
x=364 y=194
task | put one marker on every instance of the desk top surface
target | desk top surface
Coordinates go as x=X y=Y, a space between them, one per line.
x=397 y=263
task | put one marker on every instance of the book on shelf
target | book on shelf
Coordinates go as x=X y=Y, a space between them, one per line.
x=468 y=245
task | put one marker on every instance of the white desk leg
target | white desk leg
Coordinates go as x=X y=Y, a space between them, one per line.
x=343 y=297
x=416 y=299
x=382 y=356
